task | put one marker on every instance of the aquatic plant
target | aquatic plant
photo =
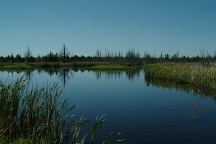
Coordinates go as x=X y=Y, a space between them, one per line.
x=192 y=73
x=31 y=115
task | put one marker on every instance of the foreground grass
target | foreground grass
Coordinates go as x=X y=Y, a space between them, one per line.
x=41 y=116
x=4 y=140
x=190 y=73
x=109 y=67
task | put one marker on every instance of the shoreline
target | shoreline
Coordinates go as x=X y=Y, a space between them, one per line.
x=85 y=65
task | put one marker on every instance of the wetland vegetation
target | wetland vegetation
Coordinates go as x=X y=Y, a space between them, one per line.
x=30 y=116
x=195 y=74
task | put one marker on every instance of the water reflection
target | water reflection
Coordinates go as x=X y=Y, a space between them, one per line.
x=63 y=74
x=203 y=92
x=129 y=74
x=66 y=74
x=28 y=75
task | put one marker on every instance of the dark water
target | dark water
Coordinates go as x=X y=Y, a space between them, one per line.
x=144 y=111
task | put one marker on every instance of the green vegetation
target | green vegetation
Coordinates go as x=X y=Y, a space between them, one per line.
x=67 y=64
x=109 y=67
x=16 y=66
x=186 y=87
x=32 y=116
x=4 y=140
x=45 y=65
x=190 y=73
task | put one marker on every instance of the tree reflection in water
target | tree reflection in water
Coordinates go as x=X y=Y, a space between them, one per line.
x=65 y=74
x=130 y=74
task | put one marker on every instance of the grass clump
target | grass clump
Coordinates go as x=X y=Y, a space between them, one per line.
x=32 y=116
x=31 y=113
x=191 y=73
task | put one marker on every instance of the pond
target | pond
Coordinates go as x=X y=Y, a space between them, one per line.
x=137 y=109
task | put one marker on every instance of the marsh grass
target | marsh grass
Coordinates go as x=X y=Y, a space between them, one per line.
x=190 y=73
x=189 y=88
x=31 y=115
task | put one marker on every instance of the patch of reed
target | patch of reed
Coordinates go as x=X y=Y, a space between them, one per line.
x=192 y=73
x=32 y=116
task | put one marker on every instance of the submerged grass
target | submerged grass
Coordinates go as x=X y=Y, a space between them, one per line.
x=191 y=73
x=32 y=116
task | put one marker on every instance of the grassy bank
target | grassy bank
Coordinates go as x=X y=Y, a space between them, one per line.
x=110 y=67
x=67 y=64
x=23 y=66
x=88 y=65
x=41 y=116
x=17 y=66
x=186 y=87
x=190 y=73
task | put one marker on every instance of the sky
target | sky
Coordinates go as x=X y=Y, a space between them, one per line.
x=152 y=26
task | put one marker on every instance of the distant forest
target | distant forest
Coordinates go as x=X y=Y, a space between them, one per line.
x=131 y=56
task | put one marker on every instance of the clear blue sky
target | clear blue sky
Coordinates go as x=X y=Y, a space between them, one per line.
x=153 y=26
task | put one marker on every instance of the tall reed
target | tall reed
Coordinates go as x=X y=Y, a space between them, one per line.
x=192 y=73
x=40 y=116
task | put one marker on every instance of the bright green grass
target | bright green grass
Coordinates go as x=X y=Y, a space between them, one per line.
x=16 y=66
x=109 y=67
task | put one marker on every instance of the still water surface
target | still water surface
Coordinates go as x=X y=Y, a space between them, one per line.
x=144 y=111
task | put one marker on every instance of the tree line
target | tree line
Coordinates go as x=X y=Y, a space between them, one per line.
x=131 y=56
